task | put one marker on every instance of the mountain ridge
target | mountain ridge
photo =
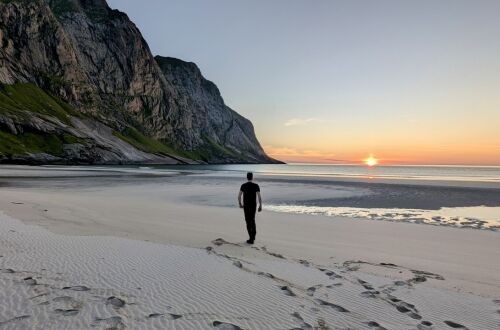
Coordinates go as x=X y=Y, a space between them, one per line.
x=118 y=102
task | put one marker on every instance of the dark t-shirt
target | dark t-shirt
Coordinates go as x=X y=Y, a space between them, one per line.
x=250 y=194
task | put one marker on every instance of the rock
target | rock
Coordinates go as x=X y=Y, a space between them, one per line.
x=117 y=101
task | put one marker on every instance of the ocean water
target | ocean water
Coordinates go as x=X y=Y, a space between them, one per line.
x=477 y=207
x=413 y=172
x=458 y=196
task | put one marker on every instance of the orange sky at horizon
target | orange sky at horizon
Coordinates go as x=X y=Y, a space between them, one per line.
x=446 y=133
x=477 y=157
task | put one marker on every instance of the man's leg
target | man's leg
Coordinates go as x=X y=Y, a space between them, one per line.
x=250 y=220
x=252 y=230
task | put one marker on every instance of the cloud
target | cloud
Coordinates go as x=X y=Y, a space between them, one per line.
x=301 y=155
x=301 y=121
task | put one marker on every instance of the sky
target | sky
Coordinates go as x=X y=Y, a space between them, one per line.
x=409 y=82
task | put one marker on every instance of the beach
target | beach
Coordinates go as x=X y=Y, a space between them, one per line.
x=139 y=248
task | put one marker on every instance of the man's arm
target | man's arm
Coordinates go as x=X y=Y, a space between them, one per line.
x=239 y=199
x=260 y=201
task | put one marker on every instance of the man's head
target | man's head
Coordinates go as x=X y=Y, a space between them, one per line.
x=250 y=176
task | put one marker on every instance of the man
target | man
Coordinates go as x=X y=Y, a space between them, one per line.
x=250 y=192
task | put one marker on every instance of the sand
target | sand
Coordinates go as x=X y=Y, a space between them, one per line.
x=134 y=251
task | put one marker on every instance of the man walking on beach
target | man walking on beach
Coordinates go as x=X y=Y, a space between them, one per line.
x=250 y=192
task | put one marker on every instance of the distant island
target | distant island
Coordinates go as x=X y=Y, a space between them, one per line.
x=79 y=85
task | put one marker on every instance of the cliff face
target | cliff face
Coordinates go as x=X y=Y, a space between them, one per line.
x=201 y=114
x=113 y=101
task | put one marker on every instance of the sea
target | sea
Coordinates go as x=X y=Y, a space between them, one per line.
x=403 y=172
x=441 y=195
x=466 y=197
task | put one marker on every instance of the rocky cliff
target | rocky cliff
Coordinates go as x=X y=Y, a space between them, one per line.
x=80 y=85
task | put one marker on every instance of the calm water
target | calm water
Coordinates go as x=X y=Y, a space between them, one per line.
x=445 y=173
x=471 y=201
x=477 y=216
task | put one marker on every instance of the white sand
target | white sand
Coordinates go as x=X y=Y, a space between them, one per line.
x=330 y=273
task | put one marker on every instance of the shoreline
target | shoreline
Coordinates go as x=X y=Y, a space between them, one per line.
x=34 y=171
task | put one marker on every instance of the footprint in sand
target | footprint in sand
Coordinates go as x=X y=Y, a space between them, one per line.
x=65 y=299
x=173 y=316
x=425 y=325
x=370 y=294
x=268 y=275
x=405 y=308
x=67 y=312
x=114 y=322
x=237 y=264
x=332 y=285
x=8 y=271
x=331 y=274
x=14 y=320
x=167 y=316
x=421 y=273
x=115 y=302
x=375 y=326
x=276 y=255
x=455 y=325
x=286 y=290
x=365 y=284
x=417 y=279
x=388 y=264
x=329 y=304
x=69 y=302
x=29 y=281
x=77 y=288
x=221 y=241
x=225 y=326
x=311 y=290
x=303 y=325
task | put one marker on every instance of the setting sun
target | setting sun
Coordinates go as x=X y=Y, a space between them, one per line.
x=371 y=161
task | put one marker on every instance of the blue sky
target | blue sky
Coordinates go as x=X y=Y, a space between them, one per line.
x=408 y=81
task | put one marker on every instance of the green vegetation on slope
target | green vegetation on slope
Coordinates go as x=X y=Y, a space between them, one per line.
x=25 y=143
x=146 y=144
x=9 y=1
x=60 y=7
x=18 y=99
x=29 y=97
x=213 y=150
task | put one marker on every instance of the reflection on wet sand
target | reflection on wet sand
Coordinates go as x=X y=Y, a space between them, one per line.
x=479 y=217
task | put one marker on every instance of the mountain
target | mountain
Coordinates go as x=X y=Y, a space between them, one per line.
x=79 y=85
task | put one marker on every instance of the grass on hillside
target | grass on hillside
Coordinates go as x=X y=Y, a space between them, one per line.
x=146 y=144
x=29 y=97
x=25 y=143
x=15 y=100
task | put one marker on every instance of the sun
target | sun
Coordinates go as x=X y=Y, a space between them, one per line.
x=371 y=161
